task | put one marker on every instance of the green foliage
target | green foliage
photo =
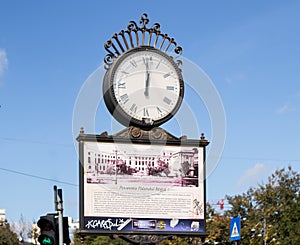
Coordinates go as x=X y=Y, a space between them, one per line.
x=181 y=241
x=7 y=237
x=271 y=211
x=98 y=240
x=278 y=204
x=217 y=225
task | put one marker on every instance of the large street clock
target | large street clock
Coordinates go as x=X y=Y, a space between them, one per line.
x=143 y=85
x=143 y=167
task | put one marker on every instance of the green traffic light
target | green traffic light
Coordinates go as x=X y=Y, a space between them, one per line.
x=47 y=240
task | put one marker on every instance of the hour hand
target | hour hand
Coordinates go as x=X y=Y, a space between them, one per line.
x=146 y=92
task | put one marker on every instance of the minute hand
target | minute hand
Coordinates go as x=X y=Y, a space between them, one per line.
x=146 y=92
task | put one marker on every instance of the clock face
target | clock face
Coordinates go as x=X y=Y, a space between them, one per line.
x=144 y=87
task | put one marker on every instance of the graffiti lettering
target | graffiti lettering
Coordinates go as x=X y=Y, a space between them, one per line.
x=107 y=224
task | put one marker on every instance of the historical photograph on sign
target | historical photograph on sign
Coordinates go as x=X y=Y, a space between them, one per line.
x=170 y=166
x=143 y=181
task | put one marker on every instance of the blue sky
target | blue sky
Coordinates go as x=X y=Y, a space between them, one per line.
x=249 y=49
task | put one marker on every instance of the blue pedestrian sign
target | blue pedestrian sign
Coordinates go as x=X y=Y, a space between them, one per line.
x=235 y=229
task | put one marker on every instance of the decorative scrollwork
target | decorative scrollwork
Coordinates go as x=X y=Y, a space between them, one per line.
x=179 y=63
x=156 y=27
x=135 y=132
x=108 y=60
x=132 y=26
x=158 y=134
x=107 y=47
x=144 y=20
x=178 y=50
x=136 y=36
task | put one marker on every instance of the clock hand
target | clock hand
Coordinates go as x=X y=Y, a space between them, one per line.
x=146 y=92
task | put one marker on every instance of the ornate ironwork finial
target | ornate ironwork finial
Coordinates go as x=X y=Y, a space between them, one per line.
x=202 y=138
x=135 y=36
x=81 y=130
x=144 y=20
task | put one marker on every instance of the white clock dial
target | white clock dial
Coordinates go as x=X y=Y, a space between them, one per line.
x=147 y=86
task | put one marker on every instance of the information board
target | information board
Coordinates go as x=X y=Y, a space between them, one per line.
x=141 y=188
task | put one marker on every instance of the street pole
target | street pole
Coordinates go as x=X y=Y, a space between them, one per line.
x=60 y=217
x=59 y=208
x=55 y=197
x=265 y=231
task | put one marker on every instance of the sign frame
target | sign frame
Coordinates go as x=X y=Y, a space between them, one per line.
x=136 y=137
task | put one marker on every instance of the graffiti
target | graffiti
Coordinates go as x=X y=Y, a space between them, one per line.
x=107 y=224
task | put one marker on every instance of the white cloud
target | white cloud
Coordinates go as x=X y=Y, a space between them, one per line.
x=3 y=61
x=253 y=176
x=234 y=78
x=285 y=108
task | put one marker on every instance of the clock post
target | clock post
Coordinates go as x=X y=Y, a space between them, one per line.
x=142 y=184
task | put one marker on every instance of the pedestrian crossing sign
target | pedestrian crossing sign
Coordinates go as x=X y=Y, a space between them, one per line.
x=235 y=229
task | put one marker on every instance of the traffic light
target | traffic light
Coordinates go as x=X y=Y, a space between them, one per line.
x=66 y=230
x=48 y=226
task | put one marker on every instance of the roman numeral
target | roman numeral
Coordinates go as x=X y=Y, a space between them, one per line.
x=158 y=64
x=167 y=100
x=133 y=63
x=171 y=88
x=166 y=75
x=158 y=110
x=146 y=113
x=133 y=108
x=121 y=85
x=145 y=60
x=124 y=98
